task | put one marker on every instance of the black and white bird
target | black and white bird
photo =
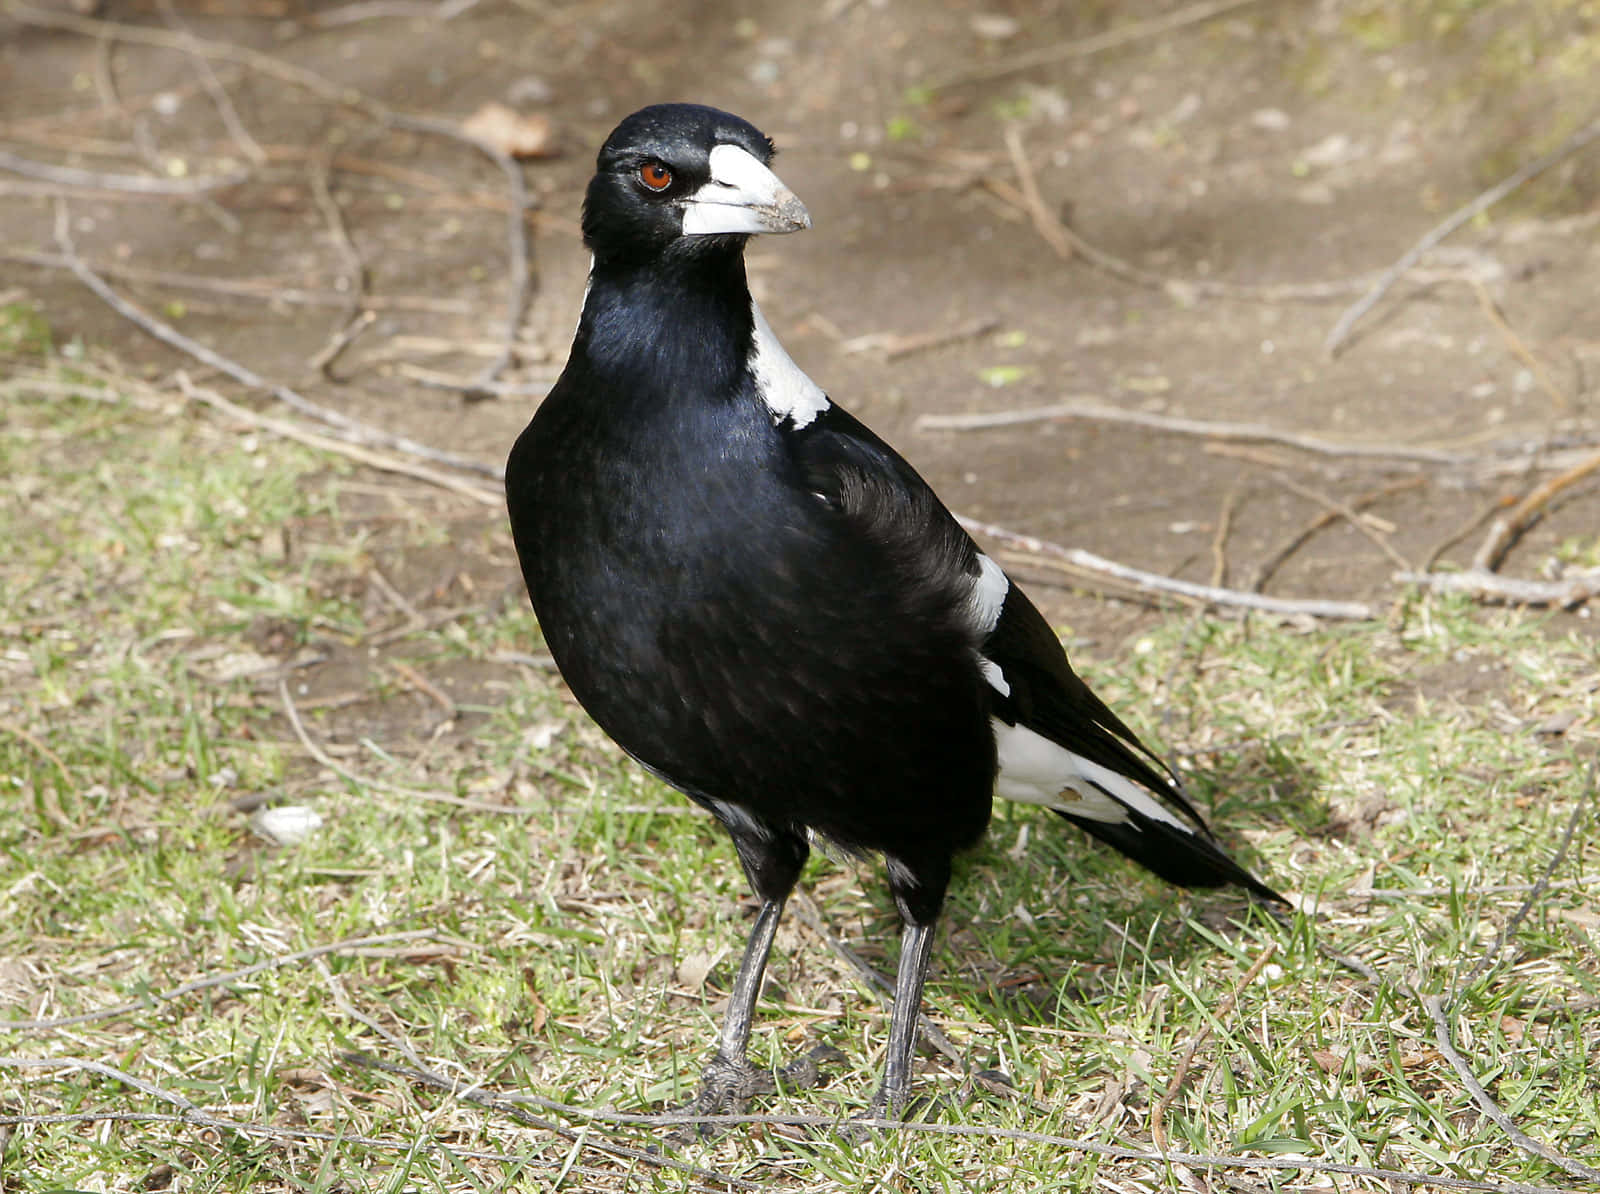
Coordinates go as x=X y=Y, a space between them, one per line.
x=767 y=607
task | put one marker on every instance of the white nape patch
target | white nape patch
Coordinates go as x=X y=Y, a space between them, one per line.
x=588 y=285
x=997 y=678
x=788 y=392
x=988 y=594
x=1035 y=770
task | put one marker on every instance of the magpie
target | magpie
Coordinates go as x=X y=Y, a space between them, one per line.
x=769 y=609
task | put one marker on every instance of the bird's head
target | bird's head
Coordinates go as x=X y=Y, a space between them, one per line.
x=683 y=178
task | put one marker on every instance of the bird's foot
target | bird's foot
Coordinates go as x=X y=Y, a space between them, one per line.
x=888 y=1109
x=728 y=1084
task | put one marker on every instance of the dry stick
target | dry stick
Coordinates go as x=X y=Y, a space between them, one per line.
x=201 y=1119
x=1084 y=47
x=327 y=760
x=1350 y=515
x=372 y=10
x=1505 y=531
x=1068 y=243
x=1275 y=560
x=388 y=464
x=1176 y=425
x=347 y=428
x=138 y=184
x=1518 y=348
x=1440 y=1008
x=516 y=1108
x=1097 y=1148
x=1051 y=230
x=345 y=96
x=226 y=112
x=105 y=1071
x=1456 y=536
x=1154 y=582
x=1353 y=315
x=1219 y=541
x=258 y=289
x=216 y=980
x=1478 y=582
x=806 y=910
x=1158 y=1127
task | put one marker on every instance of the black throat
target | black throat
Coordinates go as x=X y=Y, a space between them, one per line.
x=680 y=322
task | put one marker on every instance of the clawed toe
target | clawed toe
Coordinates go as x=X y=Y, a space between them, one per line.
x=728 y=1085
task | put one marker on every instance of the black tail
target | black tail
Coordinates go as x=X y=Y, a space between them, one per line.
x=1183 y=858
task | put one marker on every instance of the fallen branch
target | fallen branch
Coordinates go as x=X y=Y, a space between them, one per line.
x=1350 y=515
x=137 y=184
x=1176 y=425
x=1462 y=215
x=264 y=290
x=1505 y=531
x=348 y=429
x=1275 y=559
x=1486 y=585
x=343 y=96
x=388 y=464
x=1158 y=1129
x=1154 y=582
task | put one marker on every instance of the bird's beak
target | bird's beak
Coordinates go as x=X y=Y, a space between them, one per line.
x=743 y=196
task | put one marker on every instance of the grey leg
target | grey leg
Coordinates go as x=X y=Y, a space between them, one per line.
x=916 y=947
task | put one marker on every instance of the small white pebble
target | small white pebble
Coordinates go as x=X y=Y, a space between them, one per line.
x=286 y=824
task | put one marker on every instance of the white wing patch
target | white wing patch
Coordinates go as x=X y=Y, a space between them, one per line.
x=788 y=392
x=996 y=677
x=1035 y=770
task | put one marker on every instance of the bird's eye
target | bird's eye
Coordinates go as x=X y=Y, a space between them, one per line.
x=655 y=176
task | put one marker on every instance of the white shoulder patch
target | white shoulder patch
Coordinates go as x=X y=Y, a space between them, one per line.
x=988 y=594
x=788 y=393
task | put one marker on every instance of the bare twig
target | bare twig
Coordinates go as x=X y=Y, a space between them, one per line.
x=388 y=464
x=1505 y=531
x=348 y=429
x=1045 y=223
x=373 y=10
x=1541 y=885
x=1518 y=348
x=1435 y=1006
x=1265 y=570
x=516 y=1107
x=1219 y=539
x=139 y=184
x=1084 y=47
x=355 y=270
x=1477 y=582
x=91 y=1066
x=344 y=96
x=516 y=235
x=1350 y=515
x=893 y=346
x=348 y=944
x=259 y=289
x=1158 y=1128
x=1153 y=582
x=1175 y=425
x=1353 y=315
x=322 y=360
x=220 y=99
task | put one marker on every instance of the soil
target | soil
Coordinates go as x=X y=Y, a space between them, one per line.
x=1272 y=144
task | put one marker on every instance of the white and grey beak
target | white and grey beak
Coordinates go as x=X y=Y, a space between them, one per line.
x=743 y=196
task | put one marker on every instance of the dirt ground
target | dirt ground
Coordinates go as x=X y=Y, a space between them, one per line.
x=1273 y=143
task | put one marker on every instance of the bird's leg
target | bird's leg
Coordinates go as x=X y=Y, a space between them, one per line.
x=730 y=1080
x=916 y=947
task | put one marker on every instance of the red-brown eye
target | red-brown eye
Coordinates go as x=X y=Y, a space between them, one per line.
x=655 y=176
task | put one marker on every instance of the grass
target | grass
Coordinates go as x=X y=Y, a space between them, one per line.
x=165 y=572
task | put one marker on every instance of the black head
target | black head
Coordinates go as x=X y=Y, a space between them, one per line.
x=684 y=178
